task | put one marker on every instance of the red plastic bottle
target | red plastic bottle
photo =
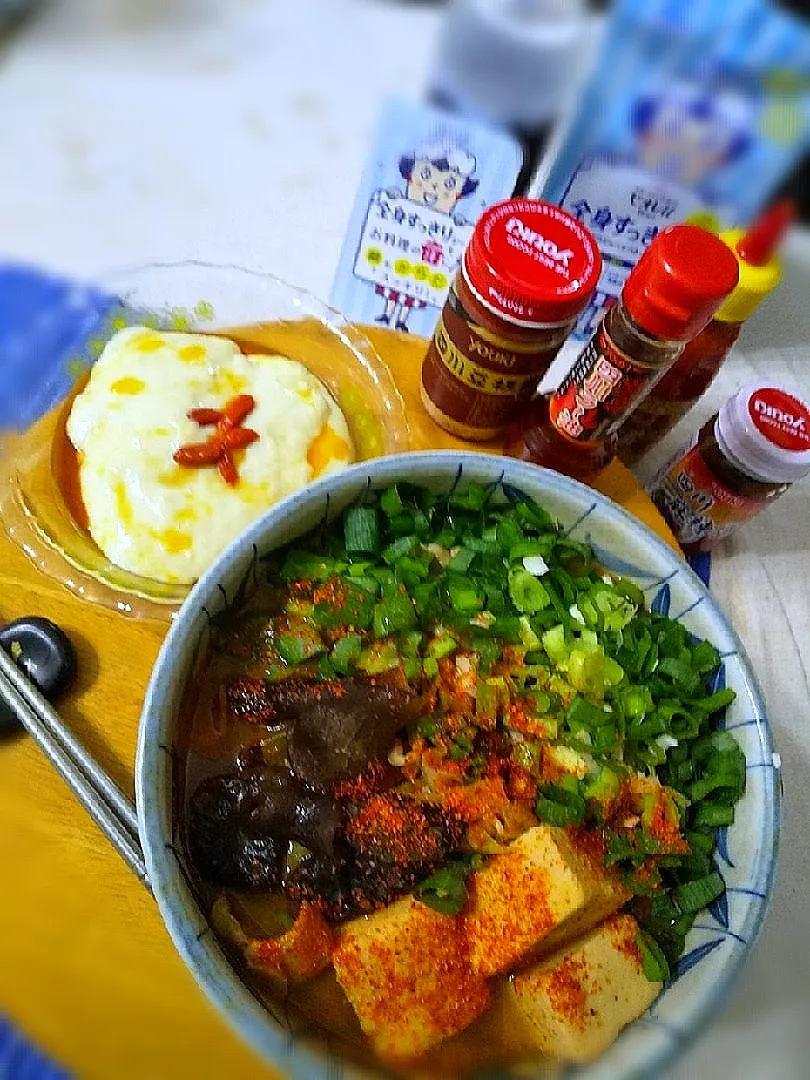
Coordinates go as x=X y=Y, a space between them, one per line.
x=670 y=295
x=690 y=376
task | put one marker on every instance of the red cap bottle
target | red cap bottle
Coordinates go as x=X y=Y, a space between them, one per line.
x=744 y=457
x=670 y=295
x=528 y=271
x=679 y=283
x=690 y=376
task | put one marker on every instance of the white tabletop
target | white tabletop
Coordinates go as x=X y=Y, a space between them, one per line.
x=135 y=130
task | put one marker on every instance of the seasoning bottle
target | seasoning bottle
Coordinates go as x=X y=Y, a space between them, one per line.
x=743 y=458
x=527 y=272
x=669 y=296
x=694 y=370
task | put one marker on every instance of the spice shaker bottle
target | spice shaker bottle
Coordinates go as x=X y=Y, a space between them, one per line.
x=744 y=457
x=669 y=296
x=528 y=270
x=694 y=370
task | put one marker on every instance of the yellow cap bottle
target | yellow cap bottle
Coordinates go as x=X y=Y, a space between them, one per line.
x=760 y=269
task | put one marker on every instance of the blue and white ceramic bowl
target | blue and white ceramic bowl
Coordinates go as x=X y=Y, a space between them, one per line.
x=717 y=946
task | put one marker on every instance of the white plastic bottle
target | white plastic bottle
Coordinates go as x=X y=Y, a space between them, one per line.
x=512 y=63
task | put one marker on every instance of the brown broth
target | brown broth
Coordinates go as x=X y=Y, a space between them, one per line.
x=65 y=462
x=316 y=1007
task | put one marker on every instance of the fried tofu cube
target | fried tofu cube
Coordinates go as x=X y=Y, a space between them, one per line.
x=541 y=889
x=303 y=951
x=573 y=1004
x=406 y=971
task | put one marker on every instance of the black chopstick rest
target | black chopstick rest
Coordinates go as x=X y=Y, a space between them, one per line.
x=45 y=653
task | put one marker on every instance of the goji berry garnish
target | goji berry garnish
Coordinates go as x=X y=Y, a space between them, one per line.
x=229 y=436
x=204 y=416
x=237 y=410
x=195 y=454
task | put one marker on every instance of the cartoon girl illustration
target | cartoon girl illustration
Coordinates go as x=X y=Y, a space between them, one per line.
x=436 y=177
x=686 y=136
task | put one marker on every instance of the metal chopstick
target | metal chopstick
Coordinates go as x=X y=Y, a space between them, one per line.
x=99 y=795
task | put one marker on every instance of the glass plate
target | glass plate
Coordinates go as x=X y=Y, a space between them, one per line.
x=38 y=509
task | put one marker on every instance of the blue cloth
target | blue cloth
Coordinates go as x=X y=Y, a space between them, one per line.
x=20 y=1061
x=45 y=324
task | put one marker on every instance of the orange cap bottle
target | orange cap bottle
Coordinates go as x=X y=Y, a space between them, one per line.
x=672 y=292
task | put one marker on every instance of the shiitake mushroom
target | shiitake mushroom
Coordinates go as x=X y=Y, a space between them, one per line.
x=240 y=825
x=222 y=848
x=337 y=727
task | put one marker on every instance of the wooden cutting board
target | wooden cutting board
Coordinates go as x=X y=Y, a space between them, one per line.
x=87 y=969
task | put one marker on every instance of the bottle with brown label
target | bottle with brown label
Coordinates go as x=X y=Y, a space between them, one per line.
x=744 y=457
x=528 y=270
x=670 y=295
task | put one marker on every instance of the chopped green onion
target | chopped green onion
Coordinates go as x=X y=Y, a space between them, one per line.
x=554 y=813
x=462 y=559
x=460 y=747
x=441 y=645
x=474 y=497
x=508 y=534
x=346 y=652
x=694 y=895
x=410 y=572
x=555 y=643
x=403 y=525
x=391 y=502
x=378 y=658
x=361 y=529
x=653 y=961
x=297 y=646
x=581 y=713
x=446 y=889
x=349 y=605
x=305 y=566
x=604 y=787
x=426 y=727
x=464 y=596
x=430 y=667
x=527 y=592
x=403 y=546
x=713 y=814
x=412 y=668
x=393 y=613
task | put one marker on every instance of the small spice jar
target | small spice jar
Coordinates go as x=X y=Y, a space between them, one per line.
x=671 y=293
x=692 y=373
x=528 y=271
x=743 y=458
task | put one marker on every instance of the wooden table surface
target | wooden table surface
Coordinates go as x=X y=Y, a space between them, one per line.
x=87 y=970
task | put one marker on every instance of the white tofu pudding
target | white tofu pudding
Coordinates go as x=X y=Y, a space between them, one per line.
x=183 y=440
